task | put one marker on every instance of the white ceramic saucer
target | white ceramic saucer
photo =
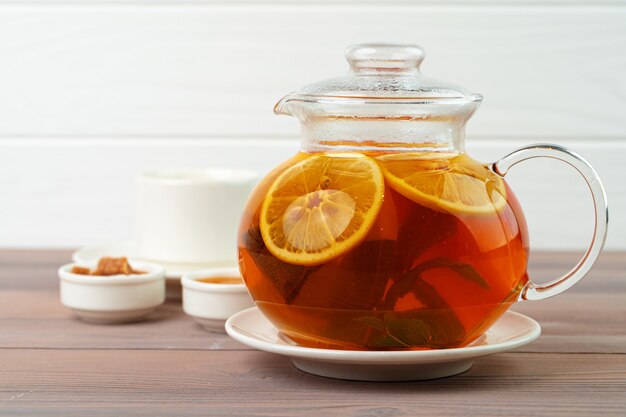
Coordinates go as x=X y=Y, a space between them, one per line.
x=513 y=330
x=173 y=272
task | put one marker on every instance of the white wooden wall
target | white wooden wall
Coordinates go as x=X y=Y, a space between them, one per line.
x=93 y=91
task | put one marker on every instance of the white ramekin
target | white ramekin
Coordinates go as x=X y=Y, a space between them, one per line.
x=210 y=304
x=115 y=298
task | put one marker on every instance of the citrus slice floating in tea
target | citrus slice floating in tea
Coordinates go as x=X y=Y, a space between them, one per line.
x=445 y=182
x=321 y=207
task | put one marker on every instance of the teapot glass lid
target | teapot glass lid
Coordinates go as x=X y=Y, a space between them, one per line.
x=380 y=74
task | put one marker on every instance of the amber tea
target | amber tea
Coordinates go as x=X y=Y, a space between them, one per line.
x=385 y=251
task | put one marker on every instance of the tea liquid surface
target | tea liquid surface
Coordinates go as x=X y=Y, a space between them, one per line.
x=428 y=273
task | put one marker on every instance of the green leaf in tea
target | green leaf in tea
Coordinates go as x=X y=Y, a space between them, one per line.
x=417 y=237
x=423 y=328
x=387 y=342
x=362 y=276
x=466 y=271
x=373 y=322
x=288 y=279
x=408 y=281
x=436 y=324
x=430 y=328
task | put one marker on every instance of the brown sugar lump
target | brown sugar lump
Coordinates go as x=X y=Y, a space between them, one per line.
x=80 y=270
x=114 y=266
x=108 y=266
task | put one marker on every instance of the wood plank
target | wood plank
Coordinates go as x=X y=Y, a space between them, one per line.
x=36 y=269
x=200 y=69
x=606 y=276
x=590 y=318
x=37 y=320
x=135 y=383
x=19 y=270
x=571 y=323
x=579 y=323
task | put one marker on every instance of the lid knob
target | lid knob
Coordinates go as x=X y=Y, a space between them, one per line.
x=384 y=57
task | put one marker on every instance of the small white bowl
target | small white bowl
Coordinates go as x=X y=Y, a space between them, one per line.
x=114 y=298
x=210 y=304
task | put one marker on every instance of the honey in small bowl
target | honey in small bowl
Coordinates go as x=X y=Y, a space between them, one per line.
x=221 y=280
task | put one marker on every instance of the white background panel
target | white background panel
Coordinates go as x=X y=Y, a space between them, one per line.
x=93 y=91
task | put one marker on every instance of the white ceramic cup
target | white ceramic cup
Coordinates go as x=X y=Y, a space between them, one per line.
x=191 y=216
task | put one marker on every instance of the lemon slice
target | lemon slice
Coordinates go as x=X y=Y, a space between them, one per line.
x=321 y=207
x=445 y=182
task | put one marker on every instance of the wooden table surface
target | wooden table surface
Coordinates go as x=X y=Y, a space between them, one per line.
x=55 y=365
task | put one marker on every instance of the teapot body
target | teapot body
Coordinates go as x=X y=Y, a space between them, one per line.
x=383 y=250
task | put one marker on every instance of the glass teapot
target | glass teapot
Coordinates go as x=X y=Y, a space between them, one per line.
x=382 y=233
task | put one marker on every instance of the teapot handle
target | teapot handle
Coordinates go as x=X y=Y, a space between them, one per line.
x=534 y=291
